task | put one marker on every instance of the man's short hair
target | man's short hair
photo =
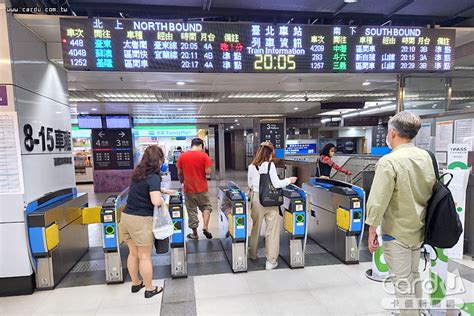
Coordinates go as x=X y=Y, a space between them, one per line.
x=406 y=124
x=197 y=142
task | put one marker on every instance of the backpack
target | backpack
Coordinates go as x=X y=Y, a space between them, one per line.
x=442 y=224
x=269 y=196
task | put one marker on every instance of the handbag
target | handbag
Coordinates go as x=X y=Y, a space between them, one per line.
x=162 y=246
x=268 y=194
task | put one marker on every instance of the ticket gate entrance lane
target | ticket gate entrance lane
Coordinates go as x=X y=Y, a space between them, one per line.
x=108 y=216
x=233 y=210
x=179 y=261
x=110 y=241
x=336 y=220
x=57 y=238
x=294 y=233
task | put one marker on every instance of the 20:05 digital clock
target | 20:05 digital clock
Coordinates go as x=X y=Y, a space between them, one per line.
x=274 y=62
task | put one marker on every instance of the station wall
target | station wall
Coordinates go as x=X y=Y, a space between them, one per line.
x=41 y=100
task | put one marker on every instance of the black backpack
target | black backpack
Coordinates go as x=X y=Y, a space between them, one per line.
x=269 y=196
x=442 y=224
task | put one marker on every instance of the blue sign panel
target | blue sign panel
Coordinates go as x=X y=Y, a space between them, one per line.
x=300 y=149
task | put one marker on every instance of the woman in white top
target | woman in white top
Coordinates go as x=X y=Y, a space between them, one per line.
x=259 y=213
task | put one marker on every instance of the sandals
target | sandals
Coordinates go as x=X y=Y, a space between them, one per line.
x=191 y=236
x=157 y=290
x=136 y=288
x=207 y=234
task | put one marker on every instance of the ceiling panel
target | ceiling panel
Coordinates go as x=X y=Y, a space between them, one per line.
x=438 y=8
x=280 y=5
x=371 y=6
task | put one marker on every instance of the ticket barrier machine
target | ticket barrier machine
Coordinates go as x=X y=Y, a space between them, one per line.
x=233 y=210
x=179 y=260
x=110 y=241
x=108 y=215
x=294 y=233
x=57 y=239
x=336 y=219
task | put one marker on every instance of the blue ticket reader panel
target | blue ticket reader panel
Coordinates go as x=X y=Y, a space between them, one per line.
x=110 y=239
x=179 y=261
x=177 y=216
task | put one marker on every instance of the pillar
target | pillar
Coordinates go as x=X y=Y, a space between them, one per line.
x=221 y=131
x=35 y=144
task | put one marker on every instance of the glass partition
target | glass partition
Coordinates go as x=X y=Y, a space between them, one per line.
x=425 y=95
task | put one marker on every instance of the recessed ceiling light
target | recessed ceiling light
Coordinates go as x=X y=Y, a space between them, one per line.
x=236 y=120
x=468 y=106
x=366 y=83
x=351 y=1
x=238 y=124
x=94 y=109
x=180 y=109
x=58 y=112
x=180 y=83
x=296 y=108
x=226 y=129
x=232 y=126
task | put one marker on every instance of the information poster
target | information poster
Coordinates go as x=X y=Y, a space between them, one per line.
x=423 y=137
x=274 y=133
x=444 y=135
x=108 y=44
x=11 y=174
x=458 y=167
x=112 y=149
x=464 y=132
x=379 y=143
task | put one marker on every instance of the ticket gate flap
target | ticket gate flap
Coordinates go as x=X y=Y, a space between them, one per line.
x=52 y=236
x=349 y=220
x=288 y=220
x=294 y=223
x=91 y=215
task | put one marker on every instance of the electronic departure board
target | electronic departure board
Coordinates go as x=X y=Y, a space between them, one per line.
x=149 y=45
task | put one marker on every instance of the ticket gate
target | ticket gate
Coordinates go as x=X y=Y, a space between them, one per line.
x=294 y=233
x=233 y=210
x=179 y=261
x=57 y=239
x=108 y=215
x=111 y=241
x=336 y=219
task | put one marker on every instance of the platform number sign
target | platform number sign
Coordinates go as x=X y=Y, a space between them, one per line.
x=46 y=139
x=112 y=149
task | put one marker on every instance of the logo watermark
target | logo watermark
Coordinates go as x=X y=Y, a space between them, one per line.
x=424 y=293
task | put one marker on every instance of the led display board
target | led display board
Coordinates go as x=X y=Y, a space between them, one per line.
x=107 y=44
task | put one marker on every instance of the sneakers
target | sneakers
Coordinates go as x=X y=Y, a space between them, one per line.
x=270 y=266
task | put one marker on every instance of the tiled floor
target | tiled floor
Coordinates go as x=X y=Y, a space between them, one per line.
x=319 y=290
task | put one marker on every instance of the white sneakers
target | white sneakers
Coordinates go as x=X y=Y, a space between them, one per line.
x=270 y=266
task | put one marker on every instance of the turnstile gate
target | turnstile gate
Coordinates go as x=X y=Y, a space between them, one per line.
x=179 y=261
x=111 y=241
x=294 y=233
x=336 y=220
x=57 y=239
x=233 y=210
